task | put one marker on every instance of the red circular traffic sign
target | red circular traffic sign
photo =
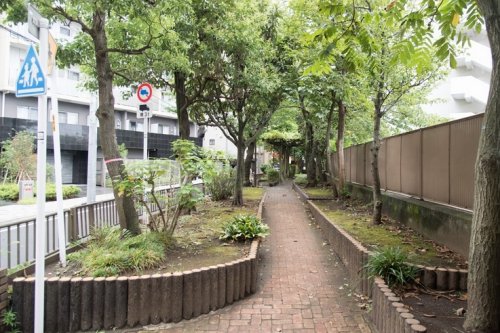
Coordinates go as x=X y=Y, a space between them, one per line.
x=144 y=92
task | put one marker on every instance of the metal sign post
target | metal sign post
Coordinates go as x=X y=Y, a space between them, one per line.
x=32 y=82
x=144 y=94
x=40 y=178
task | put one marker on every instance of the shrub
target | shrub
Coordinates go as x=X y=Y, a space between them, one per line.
x=244 y=227
x=221 y=185
x=11 y=322
x=391 y=264
x=111 y=252
x=69 y=191
x=300 y=179
x=291 y=173
x=273 y=176
x=9 y=191
x=264 y=168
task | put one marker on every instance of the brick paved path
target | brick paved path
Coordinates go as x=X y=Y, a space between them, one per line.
x=299 y=282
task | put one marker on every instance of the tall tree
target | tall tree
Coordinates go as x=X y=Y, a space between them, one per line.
x=112 y=34
x=244 y=91
x=484 y=251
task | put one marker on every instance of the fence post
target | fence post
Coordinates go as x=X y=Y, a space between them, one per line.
x=72 y=225
x=91 y=217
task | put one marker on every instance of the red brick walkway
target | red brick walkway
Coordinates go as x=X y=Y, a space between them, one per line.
x=299 y=282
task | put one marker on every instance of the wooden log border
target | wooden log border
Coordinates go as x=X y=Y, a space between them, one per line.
x=83 y=304
x=388 y=313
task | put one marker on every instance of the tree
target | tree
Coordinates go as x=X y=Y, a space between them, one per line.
x=244 y=92
x=484 y=251
x=112 y=34
x=17 y=158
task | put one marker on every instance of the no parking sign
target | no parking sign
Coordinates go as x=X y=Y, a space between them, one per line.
x=144 y=92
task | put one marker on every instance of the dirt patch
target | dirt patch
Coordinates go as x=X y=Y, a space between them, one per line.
x=196 y=241
x=355 y=217
x=443 y=313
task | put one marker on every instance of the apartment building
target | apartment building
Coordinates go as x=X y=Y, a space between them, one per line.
x=464 y=92
x=74 y=102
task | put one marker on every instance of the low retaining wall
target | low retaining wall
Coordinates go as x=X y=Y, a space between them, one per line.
x=388 y=312
x=74 y=304
x=4 y=302
x=304 y=196
x=82 y=304
x=444 y=224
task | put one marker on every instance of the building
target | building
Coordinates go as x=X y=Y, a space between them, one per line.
x=464 y=92
x=74 y=108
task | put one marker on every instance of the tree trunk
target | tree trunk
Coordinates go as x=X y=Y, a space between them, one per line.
x=248 y=162
x=309 y=151
x=329 y=165
x=483 y=308
x=238 y=184
x=107 y=134
x=340 y=146
x=377 y=195
x=181 y=102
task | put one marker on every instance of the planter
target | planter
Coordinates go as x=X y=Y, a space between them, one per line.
x=81 y=304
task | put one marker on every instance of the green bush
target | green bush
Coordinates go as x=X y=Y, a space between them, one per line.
x=9 y=192
x=69 y=191
x=244 y=227
x=111 y=252
x=264 y=168
x=391 y=263
x=221 y=186
x=273 y=176
x=300 y=179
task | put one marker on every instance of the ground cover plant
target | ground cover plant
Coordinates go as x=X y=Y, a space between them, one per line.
x=244 y=227
x=391 y=263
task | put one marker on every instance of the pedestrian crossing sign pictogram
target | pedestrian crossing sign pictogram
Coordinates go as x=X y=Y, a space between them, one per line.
x=31 y=80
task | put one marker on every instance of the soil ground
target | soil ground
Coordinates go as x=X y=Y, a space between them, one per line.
x=196 y=241
x=355 y=217
x=437 y=312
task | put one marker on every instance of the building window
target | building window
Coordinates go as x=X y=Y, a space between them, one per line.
x=211 y=142
x=118 y=123
x=27 y=112
x=163 y=129
x=68 y=118
x=65 y=31
x=72 y=75
x=133 y=126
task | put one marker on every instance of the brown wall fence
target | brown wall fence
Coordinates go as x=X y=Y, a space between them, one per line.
x=434 y=163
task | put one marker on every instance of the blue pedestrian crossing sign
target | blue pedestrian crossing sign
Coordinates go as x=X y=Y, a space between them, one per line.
x=31 y=80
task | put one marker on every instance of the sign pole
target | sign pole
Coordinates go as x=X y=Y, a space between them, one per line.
x=40 y=177
x=58 y=175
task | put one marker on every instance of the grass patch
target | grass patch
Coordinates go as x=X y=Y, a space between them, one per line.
x=373 y=237
x=110 y=253
x=317 y=192
x=253 y=193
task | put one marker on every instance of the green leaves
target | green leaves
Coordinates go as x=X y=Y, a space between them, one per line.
x=390 y=263
x=244 y=227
